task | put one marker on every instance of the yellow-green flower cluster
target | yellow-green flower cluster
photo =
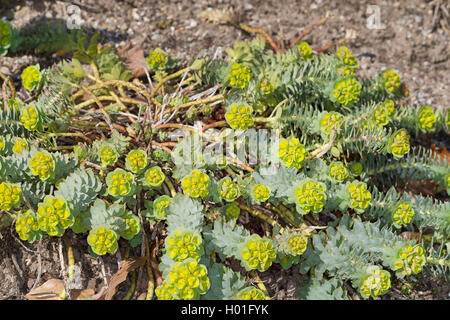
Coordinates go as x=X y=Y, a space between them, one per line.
x=29 y=116
x=410 y=260
x=375 y=283
x=402 y=214
x=232 y=211
x=27 y=226
x=54 y=216
x=381 y=115
x=390 y=105
x=2 y=144
x=136 y=160
x=239 y=116
x=154 y=176
x=310 y=196
x=337 y=171
x=426 y=119
x=346 y=91
x=297 y=244
x=132 y=226
x=120 y=183
x=359 y=196
x=257 y=253
x=292 y=152
x=330 y=120
x=261 y=192
x=5 y=37
x=348 y=60
x=399 y=143
x=250 y=293
x=184 y=244
x=304 y=49
x=31 y=77
x=157 y=59
x=108 y=155
x=20 y=144
x=159 y=206
x=228 y=189
x=186 y=280
x=346 y=56
x=391 y=80
x=239 y=75
x=196 y=184
x=10 y=196
x=103 y=240
x=42 y=164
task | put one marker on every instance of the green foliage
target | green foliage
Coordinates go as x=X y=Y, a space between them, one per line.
x=327 y=184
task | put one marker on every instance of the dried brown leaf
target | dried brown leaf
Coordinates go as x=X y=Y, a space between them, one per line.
x=121 y=275
x=134 y=59
x=52 y=289
x=78 y=294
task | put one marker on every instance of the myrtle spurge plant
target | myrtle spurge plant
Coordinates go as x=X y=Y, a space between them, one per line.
x=261 y=192
x=292 y=152
x=305 y=49
x=120 y=183
x=54 y=216
x=159 y=206
x=250 y=293
x=239 y=75
x=346 y=91
x=10 y=196
x=5 y=37
x=399 y=143
x=136 y=160
x=239 y=116
x=157 y=59
x=309 y=196
x=187 y=280
x=20 y=145
x=184 y=244
x=402 y=214
x=231 y=211
x=108 y=155
x=196 y=184
x=30 y=77
x=426 y=119
x=154 y=177
x=229 y=190
x=330 y=120
x=27 y=227
x=375 y=283
x=186 y=168
x=391 y=80
x=42 y=164
x=257 y=253
x=30 y=118
x=410 y=260
x=103 y=240
x=358 y=196
x=338 y=171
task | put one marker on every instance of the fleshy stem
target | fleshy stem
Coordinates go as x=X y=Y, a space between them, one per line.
x=70 y=258
x=259 y=215
x=169 y=184
x=151 y=278
x=260 y=284
x=133 y=278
